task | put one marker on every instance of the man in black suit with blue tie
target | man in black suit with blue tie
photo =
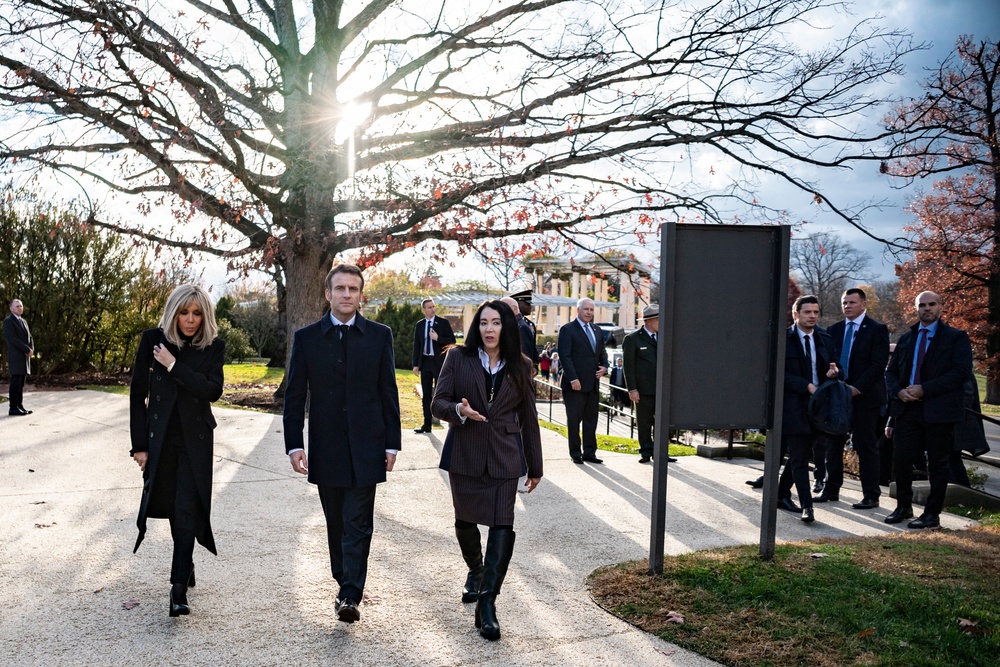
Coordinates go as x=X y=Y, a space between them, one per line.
x=584 y=361
x=861 y=345
x=926 y=380
x=344 y=364
x=431 y=336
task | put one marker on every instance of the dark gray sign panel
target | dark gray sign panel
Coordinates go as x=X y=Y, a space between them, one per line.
x=723 y=302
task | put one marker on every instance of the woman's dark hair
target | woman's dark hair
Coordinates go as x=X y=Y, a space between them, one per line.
x=510 y=345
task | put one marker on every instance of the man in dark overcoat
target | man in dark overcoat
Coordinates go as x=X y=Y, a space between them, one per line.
x=20 y=347
x=808 y=363
x=431 y=336
x=926 y=380
x=584 y=362
x=344 y=364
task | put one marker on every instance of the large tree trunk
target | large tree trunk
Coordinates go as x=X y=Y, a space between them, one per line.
x=305 y=266
x=993 y=314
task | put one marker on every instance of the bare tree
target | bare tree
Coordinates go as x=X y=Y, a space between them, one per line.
x=292 y=138
x=256 y=312
x=952 y=133
x=826 y=265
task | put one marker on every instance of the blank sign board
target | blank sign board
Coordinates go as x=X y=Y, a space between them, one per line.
x=723 y=297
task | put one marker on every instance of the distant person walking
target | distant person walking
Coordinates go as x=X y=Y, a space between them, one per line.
x=176 y=376
x=431 y=336
x=485 y=395
x=20 y=347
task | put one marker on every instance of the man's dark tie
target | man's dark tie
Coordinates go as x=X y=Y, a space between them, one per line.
x=428 y=347
x=921 y=350
x=654 y=338
x=343 y=329
x=809 y=356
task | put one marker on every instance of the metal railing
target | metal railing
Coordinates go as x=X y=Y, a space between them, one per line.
x=544 y=388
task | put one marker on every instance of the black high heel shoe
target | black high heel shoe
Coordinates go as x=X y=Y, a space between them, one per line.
x=178 y=601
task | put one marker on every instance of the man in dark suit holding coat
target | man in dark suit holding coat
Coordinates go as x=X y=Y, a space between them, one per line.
x=20 y=347
x=431 y=336
x=926 y=380
x=344 y=363
x=861 y=346
x=584 y=361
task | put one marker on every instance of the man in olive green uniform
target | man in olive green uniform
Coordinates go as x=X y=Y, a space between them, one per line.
x=639 y=353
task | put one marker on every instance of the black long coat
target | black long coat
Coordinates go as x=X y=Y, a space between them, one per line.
x=798 y=376
x=195 y=382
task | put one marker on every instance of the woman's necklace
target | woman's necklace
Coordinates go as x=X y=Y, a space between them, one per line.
x=493 y=385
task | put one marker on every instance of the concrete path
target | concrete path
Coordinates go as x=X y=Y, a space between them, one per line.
x=69 y=494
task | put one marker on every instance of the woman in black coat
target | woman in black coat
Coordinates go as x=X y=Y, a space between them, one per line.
x=176 y=376
x=484 y=392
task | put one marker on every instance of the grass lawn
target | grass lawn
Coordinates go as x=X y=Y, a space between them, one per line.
x=613 y=443
x=991 y=410
x=911 y=599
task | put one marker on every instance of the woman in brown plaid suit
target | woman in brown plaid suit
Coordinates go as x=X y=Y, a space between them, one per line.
x=484 y=392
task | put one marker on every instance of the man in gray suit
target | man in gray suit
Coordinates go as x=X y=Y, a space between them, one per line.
x=20 y=347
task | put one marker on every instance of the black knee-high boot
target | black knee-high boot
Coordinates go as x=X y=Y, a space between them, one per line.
x=470 y=542
x=499 y=549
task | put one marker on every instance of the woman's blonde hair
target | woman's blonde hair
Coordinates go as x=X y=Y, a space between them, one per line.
x=180 y=297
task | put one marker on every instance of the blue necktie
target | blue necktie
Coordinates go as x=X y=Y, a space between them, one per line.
x=590 y=335
x=845 y=352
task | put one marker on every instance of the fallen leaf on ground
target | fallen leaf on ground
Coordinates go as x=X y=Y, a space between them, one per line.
x=865 y=633
x=99 y=589
x=45 y=525
x=674 y=617
x=130 y=604
x=38 y=502
x=818 y=555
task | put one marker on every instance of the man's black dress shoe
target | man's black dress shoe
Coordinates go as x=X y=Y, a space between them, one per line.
x=592 y=459
x=577 y=459
x=645 y=459
x=899 y=515
x=178 y=600
x=422 y=429
x=756 y=483
x=824 y=498
x=925 y=521
x=671 y=459
x=807 y=515
x=13 y=412
x=866 y=504
x=788 y=504
x=818 y=486
x=347 y=610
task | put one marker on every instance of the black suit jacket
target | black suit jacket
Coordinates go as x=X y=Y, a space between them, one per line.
x=639 y=354
x=446 y=337
x=869 y=357
x=577 y=359
x=798 y=376
x=947 y=365
x=19 y=344
x=508 y=444
x=347 y=437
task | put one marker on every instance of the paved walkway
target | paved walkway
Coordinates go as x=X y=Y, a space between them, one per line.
x=69 y=493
